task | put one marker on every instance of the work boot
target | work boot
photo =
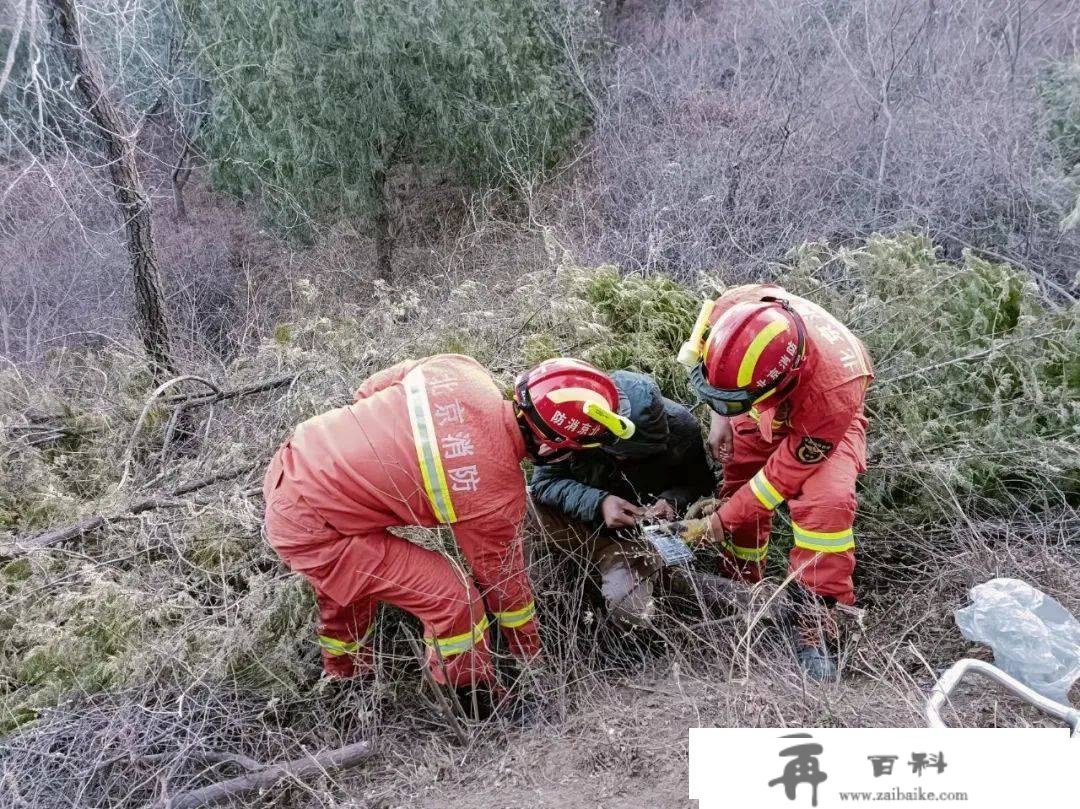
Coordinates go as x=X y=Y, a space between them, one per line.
x=815 y=631
x=816 y=662
x=478 y=702
x=482 y=703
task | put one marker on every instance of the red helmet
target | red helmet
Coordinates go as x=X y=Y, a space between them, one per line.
x=568 y=405
x=754 y=351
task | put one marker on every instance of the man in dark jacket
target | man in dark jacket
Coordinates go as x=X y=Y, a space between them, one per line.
x=657 y=472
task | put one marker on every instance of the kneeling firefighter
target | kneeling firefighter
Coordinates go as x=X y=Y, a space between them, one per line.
x=785 y=382
x=425 y=443
x=589 y=500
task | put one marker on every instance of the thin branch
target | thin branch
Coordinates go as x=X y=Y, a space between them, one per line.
x=233 y=393
x=52 y=537
x=325 y=762
x=21 y=16
x=975 y=355
x=160 y=389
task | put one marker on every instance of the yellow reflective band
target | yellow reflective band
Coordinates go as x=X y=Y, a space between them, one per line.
x=747 y=554
x=583 y=395
x=823 y=541
x=427 y=450
x=456 y=644
x=512 y=619
x=764 y=491
x=337 y=648
x=757 y=346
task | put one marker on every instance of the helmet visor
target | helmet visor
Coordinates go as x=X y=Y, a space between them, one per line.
x=725 y=402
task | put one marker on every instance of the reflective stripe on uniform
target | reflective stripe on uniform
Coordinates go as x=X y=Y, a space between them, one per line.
x=747 y=554
x=512 y=619
x=823 y=541
x=451 y=645
x=337 y=648
x=753 y=353
x=765 y=492
x=427 y=448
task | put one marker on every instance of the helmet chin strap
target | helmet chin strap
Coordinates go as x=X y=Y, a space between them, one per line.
x=532 y=443
x=780 y=393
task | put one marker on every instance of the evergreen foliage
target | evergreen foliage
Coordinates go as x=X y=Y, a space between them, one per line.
x=1059 y=91
x=316 y=102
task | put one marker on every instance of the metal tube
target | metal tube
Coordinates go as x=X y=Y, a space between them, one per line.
x=958 y=670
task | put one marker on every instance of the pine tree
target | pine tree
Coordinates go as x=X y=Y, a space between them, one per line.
x=316 y=102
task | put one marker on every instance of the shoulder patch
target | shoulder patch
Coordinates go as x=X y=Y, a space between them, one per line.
x=813 y=450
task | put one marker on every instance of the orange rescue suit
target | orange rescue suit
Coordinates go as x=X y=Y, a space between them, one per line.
x=807 y=450
x=429 y=442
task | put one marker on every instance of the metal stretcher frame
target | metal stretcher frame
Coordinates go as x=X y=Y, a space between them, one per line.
x=960 y=669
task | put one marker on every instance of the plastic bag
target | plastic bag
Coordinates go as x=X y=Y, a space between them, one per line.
x=1034 y=638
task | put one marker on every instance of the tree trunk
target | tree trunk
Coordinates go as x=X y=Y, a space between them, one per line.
x=116 y=134
x=384 y=238
x=181 y=173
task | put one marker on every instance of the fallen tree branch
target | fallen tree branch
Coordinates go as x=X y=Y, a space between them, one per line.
x=232 y=393
x=182 y=404
x=325 y=762
x=206 y=757
x=129 y=452
x=51 y=537
x=237 y=760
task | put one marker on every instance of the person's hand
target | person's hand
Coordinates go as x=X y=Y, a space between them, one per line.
x=720 y=441
x=702 y=508
x=619 y=513
x=661 y=510
x=689 y=531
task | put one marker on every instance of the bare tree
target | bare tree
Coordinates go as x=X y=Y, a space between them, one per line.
x=117 y=135
x=730 y=131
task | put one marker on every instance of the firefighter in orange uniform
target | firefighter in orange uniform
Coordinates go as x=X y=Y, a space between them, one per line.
x=429 y=442
x=785 y=382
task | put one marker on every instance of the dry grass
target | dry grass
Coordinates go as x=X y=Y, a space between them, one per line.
x=132 y=658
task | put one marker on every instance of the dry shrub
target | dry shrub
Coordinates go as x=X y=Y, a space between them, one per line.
x=732 y=130
x=64 y=277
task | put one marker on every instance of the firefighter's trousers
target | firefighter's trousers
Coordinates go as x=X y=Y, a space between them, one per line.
x=380 y=567
x=824 y=508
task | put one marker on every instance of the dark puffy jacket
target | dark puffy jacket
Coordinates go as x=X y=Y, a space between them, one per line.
x=665 y=458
